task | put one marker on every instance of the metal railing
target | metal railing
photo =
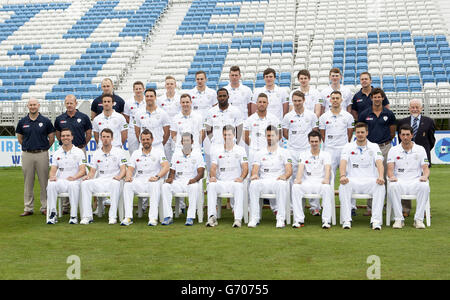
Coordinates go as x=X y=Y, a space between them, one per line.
x=435 y=105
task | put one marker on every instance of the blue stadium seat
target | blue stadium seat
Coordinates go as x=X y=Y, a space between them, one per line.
x=388 y=87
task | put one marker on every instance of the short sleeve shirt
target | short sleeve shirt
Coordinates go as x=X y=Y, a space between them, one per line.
x=361 y=102
x=299 y=127
x=78 y=124
x=203 y=101
x=170 y=105
x=314 y=165
x=116 y=122
x=192 y=124
x=108 y=164
x=147 y=165
x=408 y=164
x=185 y=166
x=335 y=127
x=272 y=164
x=347 y=97
x=240 y=97
x=132 y=108
x=311 y=98
x=361 y=159
x=277 y=97
x=118 y=106
x=257 y=129
x=379 y=131
x=154 y=121
x=68 y=162
x=35 y=133
x=229 y=163
x=217 y=119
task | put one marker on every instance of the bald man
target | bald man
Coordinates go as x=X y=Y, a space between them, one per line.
x=81 y=127
x=78 y=122
x=107 y=88
x=36 y=134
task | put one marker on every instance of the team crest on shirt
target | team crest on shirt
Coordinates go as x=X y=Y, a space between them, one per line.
x=385 y=118
x=79 y=120
x=41 y=124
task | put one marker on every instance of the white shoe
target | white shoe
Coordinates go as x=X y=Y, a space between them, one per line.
x=126 y=222
x=73 y=220
x=52 y=219
x=347 y=225
x=212 y=221
x=112 y=221
x=252 y=224
x=419 y=224
x=398 y=224
x=326 y=225
x=85 y=221
x=280 y=224
x=376 y=226
x=237 y=224
x=152 y=222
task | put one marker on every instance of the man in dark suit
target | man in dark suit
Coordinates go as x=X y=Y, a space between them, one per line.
x=423 y=131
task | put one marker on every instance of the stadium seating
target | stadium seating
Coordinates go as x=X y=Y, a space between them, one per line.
x=53 y=48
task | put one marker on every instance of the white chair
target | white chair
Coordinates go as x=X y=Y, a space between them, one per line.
x=407 y=197
x=200 y=201
x=103 y=196
x=140 y=211
x=274 y=196
x=358 y=196
x=228 y=196
x=59 y=204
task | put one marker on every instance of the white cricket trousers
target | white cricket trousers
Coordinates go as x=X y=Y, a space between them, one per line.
x=63 y=186
x=311 y=187
x=409 y=187
x=142 y=185
x=268 y=186
x=335 y=158
x=295 y=155
x=219 y=187
x=169 y=149
x=178 y=186
x=365 y=185
x=100 y=185
x=132 y=141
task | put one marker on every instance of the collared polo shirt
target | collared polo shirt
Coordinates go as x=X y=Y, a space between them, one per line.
x=379 y=131
x=78 y=124
x=35 y=133
x=118 y=106
x=361 y=101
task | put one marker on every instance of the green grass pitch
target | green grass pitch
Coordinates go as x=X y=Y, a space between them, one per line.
x=30 y=249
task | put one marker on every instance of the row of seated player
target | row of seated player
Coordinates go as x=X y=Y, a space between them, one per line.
x=270 y=175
